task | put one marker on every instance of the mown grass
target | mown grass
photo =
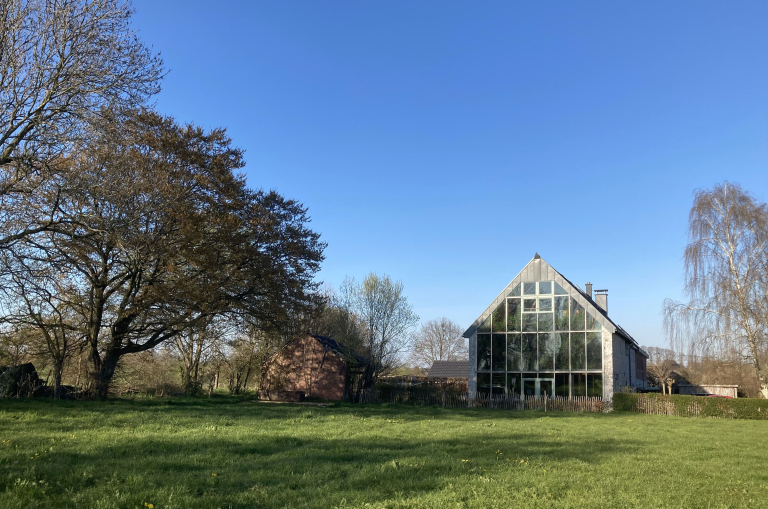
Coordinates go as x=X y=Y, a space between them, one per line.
x=200 y=453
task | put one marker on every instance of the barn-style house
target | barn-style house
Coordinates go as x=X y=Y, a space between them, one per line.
x=544 y=336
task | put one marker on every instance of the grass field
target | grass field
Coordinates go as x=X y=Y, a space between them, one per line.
x=224 y=453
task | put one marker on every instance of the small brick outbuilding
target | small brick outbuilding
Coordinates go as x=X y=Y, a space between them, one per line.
x=315 y=365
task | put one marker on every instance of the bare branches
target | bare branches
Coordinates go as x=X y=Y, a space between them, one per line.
x=726 y=276
x=386 y=317
x=438 y=340
x=62 y=62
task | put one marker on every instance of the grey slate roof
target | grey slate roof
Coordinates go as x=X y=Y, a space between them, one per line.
x=539 y=270
x=448 y=369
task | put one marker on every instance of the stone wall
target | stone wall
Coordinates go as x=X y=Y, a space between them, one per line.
x=472 y=366
x=607 y=369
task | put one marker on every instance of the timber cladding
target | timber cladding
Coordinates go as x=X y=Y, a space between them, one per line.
x=311 y=364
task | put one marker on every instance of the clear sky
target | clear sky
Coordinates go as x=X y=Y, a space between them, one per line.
x=444 y=143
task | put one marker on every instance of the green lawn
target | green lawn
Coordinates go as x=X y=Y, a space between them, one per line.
x=223 y=453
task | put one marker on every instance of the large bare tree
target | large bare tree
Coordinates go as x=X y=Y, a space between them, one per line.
x=438 y=340
x=726 y=281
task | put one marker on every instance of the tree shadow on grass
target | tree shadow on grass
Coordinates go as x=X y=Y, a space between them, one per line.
x=287 y=468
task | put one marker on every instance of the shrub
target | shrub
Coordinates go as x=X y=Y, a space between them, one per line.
x=692 y=406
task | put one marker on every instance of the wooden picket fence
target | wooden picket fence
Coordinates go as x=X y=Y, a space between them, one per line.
x=483 y=400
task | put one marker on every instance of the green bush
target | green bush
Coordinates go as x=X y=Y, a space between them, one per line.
x=692 y=406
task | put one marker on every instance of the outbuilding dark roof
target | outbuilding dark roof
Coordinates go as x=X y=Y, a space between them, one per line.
x=449 y=369
x=345 y=352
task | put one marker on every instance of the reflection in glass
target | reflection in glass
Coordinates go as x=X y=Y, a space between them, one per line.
x=545 y=304
x=513 y=352
x=529 y=304
x=485 y=326
x=513 y=383
x=529 y=322
x=546 y=388
x=561 y=351
x=561 y=313
x=499 y=383
x=578 y=356
x=529 y=288
x=513 y=315
x=515 y=291
x=592 y=323
x=484 y=383
x=499 y=352
x=529 y=352
x=559 y=290
x=500 y=318
x=579 y=384
x=546 y=351
x=595 y=386
x=594 y=350
x=545 y=322
x=561 y=385
x=577 y=315
x=529 y=387
x=545 y=287
x=483 y=352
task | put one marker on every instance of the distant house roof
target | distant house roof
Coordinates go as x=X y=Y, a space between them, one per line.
x=449 y=369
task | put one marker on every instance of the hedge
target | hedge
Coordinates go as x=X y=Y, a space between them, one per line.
x=692 y=406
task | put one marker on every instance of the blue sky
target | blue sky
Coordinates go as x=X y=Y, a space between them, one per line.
x=444 y=143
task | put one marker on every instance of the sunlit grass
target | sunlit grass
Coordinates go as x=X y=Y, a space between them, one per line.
x=223 y=453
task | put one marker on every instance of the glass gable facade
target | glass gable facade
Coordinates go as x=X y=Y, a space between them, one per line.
x=538 y=342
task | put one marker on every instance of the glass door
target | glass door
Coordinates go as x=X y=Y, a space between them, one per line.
x=546 y=387
x=530 y=387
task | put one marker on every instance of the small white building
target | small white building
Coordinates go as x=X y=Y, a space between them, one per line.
x=543 y=335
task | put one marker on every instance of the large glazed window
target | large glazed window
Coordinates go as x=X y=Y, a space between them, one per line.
x=578 y=356
x=577 y=315
x=540 y=332
x=529 y=352
x=513 y=315
x=561 y=314
x=499 y=356
x=483 y=352
x=546 y=352
x=562 y=351
x=513 y=352
x=594 y=350
x=500 y=318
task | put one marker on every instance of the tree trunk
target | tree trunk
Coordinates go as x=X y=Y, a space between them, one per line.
x=58 y=368
x=103 y=376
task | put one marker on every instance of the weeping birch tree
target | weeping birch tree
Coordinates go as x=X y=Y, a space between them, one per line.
x=726 y=278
